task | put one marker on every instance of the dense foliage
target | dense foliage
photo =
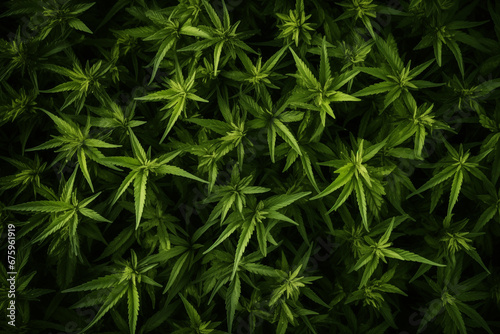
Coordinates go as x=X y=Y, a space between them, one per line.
x=272 y=166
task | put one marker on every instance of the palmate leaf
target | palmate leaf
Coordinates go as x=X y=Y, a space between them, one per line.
x=141 y=166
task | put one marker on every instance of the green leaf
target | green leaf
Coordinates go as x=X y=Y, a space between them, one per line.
x=79 y=25
x=344 y=195
x=363 y=260
x=409 y=256
x=133 y=306
x=246 y=233
x=194 y=317
x=280 y=201
x=127 y=162
x=139 y=152
x=390 y=54
x=287 y=135
x=126 y=182
x=42 y=206
x=212 y=14
x=455 y=190
x=140 y=182
x=454 y=313
x=165 y=46
x=176 y=269
x=93 y=215
x=224 y=235
x=54 y=226
x=260 y=269
x=304 y=72
x=114 y=297
x=361 y=197
x=368 y=272
x=232 y=298
x=173 y=170
x=82 y=160
x=99 y=143
x=193 y=31
x=64 y=87
x=96 y=284
x=346 y=174
x=377 y=88
x=324 y=67
x=371 y=151
x=474 y=315
x=442 y=176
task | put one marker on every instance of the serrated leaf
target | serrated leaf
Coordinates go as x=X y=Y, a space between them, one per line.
x=133 y=307
x=280 y=201
x=442 y=176
x=139 y=152
x=246 y=233
x=305 y=72
x=140 y=182
x=377 y=88
x=79 y=25
x=42 y=206
x=345 y=174
x=176 y=269
x=93 y=215
x=125 y=184
x=455 y=190
x=112 y=299
x=96 y=284
x=454 y=313
x=409 y=256
x=232 y=298
x=474 y=315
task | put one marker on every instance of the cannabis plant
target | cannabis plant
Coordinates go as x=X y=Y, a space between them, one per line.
x=263 y=166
